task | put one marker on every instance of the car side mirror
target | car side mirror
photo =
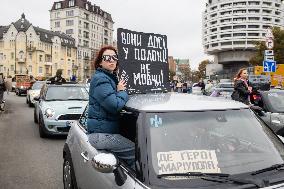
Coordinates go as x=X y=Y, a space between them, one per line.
x=258 y=110
x=107 y=163
x=36 y=98
x=104 y=162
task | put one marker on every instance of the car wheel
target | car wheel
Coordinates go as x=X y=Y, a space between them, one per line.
x=69 y=179
x=42 y=132
x=35 y=117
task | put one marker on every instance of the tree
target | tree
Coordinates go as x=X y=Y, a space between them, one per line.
x=258 y=58
x=202 y=69
x=185 y=72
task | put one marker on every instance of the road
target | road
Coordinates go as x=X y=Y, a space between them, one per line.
x=26 y=160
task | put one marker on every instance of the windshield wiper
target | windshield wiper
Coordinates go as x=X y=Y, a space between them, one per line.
x=218 y=177
x=193 y=174
x=271 y=168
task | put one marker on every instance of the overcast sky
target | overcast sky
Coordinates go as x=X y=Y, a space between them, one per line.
x=180 y=20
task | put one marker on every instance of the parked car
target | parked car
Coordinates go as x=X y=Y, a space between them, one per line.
x=57 y=104
x=272 y=103
x=224 y=89
x=23 y=84
x=33 y=92
x=181 y=141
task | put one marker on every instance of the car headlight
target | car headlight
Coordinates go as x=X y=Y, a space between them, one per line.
x=49 y=113
x=34 y=94
x=21 y=87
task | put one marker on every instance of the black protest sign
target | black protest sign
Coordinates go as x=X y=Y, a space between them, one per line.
x=143 y=61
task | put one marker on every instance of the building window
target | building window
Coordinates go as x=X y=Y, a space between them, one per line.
x=40 y=58
x=69 y=22
x=12 y=55
x=106 y=24
x=69 y=52
x=58 y=5
x=57 y=24
x=30 y=69
x=71 y=3
x=40 y=70
x=253 y=34
x=86 y=25
x=86 y=34
x=105 y=41
x=239 y=26
x=86 y=16
x=70 y=13
x=106 y=33
x=253 y=26
x=12 y=68
x=239 y=34
x=69 y=31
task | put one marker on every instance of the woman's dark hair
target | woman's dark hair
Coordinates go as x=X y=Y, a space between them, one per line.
x=98 y=59
x=238 y=75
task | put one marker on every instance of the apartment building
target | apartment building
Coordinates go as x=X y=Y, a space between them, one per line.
x=25 y=49
x=88 y=24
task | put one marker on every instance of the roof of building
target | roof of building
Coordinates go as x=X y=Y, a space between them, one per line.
x=82 y=4
x=164 y=102
x=3 y=29
x=45 y=35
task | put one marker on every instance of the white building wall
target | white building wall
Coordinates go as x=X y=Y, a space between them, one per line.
x=237 y=24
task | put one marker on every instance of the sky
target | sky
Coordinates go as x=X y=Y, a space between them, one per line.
x=179 y=20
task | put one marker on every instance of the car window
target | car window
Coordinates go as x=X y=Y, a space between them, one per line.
x=37 y=85
x=211 y=141
x=66 y=93
x=276 y=101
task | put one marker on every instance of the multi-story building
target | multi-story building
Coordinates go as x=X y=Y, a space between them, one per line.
x=25 y=49
x=91 y=27
x=231 y=27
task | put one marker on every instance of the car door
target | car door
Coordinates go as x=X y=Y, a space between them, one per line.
x=86 y=176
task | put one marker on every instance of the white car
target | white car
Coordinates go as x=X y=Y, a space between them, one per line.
x=34 y=92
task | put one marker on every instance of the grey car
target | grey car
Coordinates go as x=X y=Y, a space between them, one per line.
x=272 y=103
x=181 y=141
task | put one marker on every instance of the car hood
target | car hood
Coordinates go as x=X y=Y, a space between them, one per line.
x=65 y=107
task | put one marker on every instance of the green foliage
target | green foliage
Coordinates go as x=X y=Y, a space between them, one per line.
x=201 y=73
x=278 y=34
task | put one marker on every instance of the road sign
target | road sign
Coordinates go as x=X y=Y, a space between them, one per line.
x=268 y=52
x=269 y=43
x=269 y=66
x=268 y=57
x=269 y=33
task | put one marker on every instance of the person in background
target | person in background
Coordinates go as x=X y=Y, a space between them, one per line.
x=208 y=87
x=107 y=97
x=242 y=89
x=8 y=84
x=2 y=90
x=58 y=77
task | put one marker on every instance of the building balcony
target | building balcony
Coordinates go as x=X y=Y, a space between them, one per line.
x=31 y=49
x=86 y=58
x=75 y=67
x=47 y=63
x=21 y=60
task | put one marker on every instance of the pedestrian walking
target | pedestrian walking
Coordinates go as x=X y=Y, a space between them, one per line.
x=107 y=96
x=2 y=90
x=242 y=89
x=8 y=84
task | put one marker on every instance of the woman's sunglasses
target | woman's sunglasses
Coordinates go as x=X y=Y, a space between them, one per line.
x=108 y=58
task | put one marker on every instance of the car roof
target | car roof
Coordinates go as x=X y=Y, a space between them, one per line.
x=65 y=85
x=180 y=102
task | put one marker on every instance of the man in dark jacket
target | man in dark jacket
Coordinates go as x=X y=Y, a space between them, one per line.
x=2 y=89
x=58 y=77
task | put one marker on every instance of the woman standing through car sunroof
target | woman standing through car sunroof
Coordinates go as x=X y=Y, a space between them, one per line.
x=107 y=96
x=241 y=88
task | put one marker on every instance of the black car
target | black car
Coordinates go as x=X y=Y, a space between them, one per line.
x=272 y=103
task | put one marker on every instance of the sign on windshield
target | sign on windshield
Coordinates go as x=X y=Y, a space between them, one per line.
x=143 y=61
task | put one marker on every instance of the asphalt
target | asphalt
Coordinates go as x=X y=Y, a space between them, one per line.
x=26 y=160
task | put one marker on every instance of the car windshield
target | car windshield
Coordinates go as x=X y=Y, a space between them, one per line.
x=276 y=101
x=37 y=85
x=66 y=93
x=211 y=142
x=225 y=85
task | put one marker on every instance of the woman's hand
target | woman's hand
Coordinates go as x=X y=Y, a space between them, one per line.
x=250 y=89
x=121 y=86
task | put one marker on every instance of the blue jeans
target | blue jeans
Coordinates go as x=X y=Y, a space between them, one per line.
x=120 y=146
